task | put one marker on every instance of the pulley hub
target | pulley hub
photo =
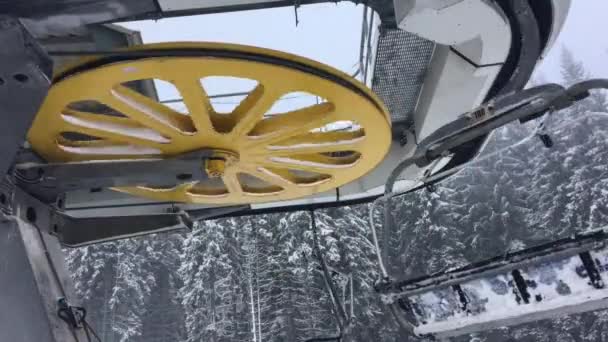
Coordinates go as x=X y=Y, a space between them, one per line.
x=216 y=166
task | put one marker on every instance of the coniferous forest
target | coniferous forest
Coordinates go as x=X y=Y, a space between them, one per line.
x=257 y=278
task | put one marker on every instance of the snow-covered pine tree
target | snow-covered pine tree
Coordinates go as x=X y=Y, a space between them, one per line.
x=290 y=298
x=240 y=282
x=164 y=315
x=133 y=285
x=572 y=71
x=204 y=266
x=261 y=267
x=93 y=269
x=585 y=155
x=346 y=242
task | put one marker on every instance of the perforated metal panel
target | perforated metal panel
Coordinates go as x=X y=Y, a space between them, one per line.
x=402 y=60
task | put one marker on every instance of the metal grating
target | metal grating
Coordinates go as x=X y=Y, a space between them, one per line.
x=402 y=60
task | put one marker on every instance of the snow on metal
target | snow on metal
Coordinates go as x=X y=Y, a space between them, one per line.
x=556 y=279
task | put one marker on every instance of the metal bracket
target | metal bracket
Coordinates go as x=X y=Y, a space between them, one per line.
x=47 y=181
x=71 y=315
x=78 y=231
x=39 y=188
x=524 y=106
x=592 y=271
x=33 y=277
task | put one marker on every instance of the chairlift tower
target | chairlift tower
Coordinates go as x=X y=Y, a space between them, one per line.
x=90 y=154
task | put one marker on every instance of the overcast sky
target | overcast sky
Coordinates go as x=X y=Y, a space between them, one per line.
x=330 y=33
x=318 y=36
x=586 y=34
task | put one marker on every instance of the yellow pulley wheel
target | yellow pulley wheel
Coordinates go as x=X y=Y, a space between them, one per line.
x=95 y=110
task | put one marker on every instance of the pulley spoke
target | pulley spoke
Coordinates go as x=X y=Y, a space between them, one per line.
x=197 y=102
x=148 y=112
x=231 y=181
x=280 y=178
x=298 y=122
x=317 y=142
x=311 y=163
x=83 y=150
x=105 y=126
x=180 y=191
x=252 y=109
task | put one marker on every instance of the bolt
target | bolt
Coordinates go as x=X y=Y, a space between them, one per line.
x=215 y=167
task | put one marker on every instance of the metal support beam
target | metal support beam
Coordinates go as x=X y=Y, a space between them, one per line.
x=78 y=231
x=25 y=72
x=33 y=279
x=47 y=181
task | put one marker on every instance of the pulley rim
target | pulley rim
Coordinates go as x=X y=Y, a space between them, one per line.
x=281 y=156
